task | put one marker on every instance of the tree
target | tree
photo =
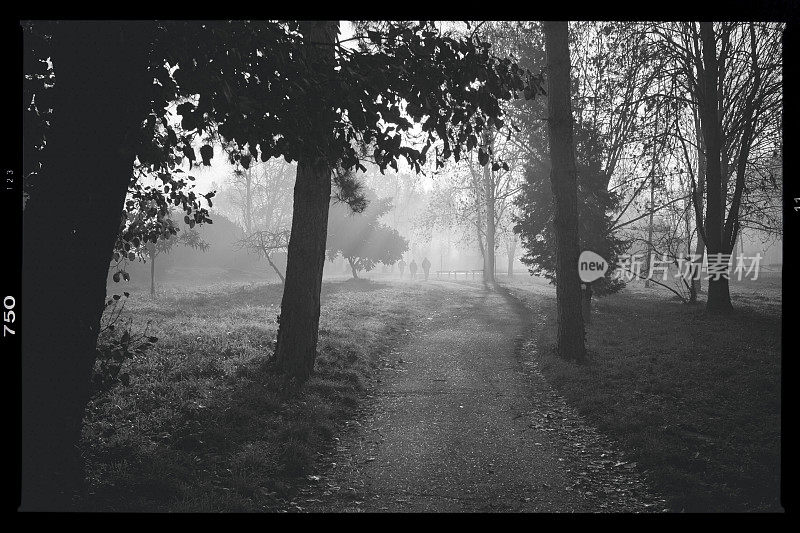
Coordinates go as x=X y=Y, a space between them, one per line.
x=303 y=96
x=260 y=197
x=300 y=306
x=534 y=221
x=73 y=215
x=170 y=235
x=564 y=188
x=455 y=204
x=97 y=113
x=361 y=238
x=417 y=57
x=265 y=243
x=477 y=200
x=729 y=74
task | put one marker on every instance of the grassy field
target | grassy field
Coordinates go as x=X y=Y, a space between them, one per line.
x=204 y=425
x=696 y=399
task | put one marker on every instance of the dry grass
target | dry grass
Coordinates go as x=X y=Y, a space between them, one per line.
x=204 y=425
x=695 y=398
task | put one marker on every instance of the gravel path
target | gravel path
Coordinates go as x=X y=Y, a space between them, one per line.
x=461 y=420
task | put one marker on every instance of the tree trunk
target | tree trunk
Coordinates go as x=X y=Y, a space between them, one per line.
x=152 y=276
x=650 y=231
x=719 y=298
x=481 y=247
x=688 y=228
x=299 y=320
x=563 y=180
x=353 y=268
x=511 y=249
x=278 y=272
x=488 y=188
x=74 y=218
x=652 y=201
x=699 y=251
x=700 y=248
x=586 y=304
x=478 y=216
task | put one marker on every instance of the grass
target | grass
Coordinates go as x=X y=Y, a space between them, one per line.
x=695 y=398
x=204 y=424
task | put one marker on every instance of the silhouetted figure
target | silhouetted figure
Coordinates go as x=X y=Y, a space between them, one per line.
x=412 y=268
x=402 y=266
x=426 y=267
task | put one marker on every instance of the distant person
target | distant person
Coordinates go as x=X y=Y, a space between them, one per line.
x=426 y=267
x=412 y=268
x=402 y=266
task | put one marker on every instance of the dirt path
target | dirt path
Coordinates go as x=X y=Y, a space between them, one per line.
x=462 y=422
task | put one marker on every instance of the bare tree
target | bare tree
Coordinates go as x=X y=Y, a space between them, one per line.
x=259 y=198
x=730 y=72
x=265 y=243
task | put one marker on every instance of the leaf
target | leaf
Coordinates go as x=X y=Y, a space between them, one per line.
x=185 y=108
x=206 y=152
x=483 y=156
x=188 y=151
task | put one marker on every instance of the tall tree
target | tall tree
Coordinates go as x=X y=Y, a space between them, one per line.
x=279 y=95
x=101 y=111
x=596 y=203
x=260 y=198
x=563 y=179
x=489 y=199
x=300 y=307
x=708 y=79
x=100 y=100
x=731 y=74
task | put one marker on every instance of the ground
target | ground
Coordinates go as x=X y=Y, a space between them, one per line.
x=694 y=399
x=460 y=424
x=438 y=395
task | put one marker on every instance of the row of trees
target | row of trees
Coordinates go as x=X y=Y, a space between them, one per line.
x=101 y=95
x=102 y=101
x=684 y=122
x=642 y=148
x=259 y=199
